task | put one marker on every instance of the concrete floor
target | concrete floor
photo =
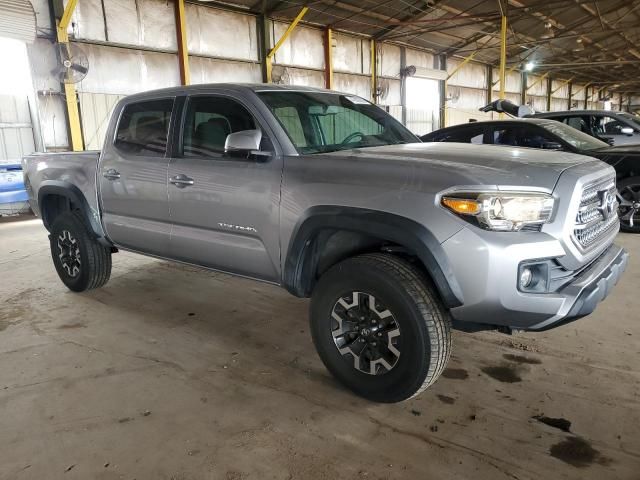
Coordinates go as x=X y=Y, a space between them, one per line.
x=171 y=372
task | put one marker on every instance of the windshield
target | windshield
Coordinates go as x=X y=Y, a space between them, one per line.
x=634 y=118
x=573 y=137
x=327 y=122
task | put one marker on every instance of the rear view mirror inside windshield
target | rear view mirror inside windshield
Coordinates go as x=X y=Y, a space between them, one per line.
x=324 y=109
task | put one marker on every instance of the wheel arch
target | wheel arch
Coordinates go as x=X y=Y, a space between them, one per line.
x=56 y=197
x=362 y=228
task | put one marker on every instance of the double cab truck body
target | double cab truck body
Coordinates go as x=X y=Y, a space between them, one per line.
x=328 y=196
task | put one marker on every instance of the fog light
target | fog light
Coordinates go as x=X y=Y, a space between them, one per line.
x=526 y=276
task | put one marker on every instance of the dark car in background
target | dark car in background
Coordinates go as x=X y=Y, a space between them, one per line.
x=617 y=128
x=553 y=135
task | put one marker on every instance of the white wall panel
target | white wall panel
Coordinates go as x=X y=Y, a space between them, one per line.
x=560 y=89
x=123 y=71
x=300 y=76
x=472 y=75
x=221 y=33
x=355 y=84
x=122 y=22
x=535 y=86
x=88 y=21
x=16 y=133
x=209 y=70
x=468 y=98
x=42 y=61
x=158 y=24
x=148 y=23
x=95 y=111
x=559 y=104
x=419 y=58
x=513 y=81
x=350 y=54
x=303 y=48
x=53 y=123
x=537 y=103
x=388 y=60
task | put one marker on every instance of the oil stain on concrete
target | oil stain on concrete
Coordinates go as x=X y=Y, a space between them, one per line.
x=578 y=452
x=455 y=373
x=503 y=373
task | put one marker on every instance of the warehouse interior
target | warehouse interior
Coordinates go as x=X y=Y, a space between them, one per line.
x=176 y=372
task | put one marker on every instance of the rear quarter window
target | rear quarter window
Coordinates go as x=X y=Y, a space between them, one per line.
x=143 y=128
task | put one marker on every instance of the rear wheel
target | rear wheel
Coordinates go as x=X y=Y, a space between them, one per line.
x=380 y=328
x=81 y=262
x=629 y=209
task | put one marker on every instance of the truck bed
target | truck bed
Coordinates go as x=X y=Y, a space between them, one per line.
x=45 y=172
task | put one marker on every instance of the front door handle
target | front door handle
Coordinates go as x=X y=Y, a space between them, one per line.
x=181 y=181
x=111 y=174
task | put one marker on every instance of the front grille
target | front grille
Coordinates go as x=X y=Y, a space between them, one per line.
x=597 y=216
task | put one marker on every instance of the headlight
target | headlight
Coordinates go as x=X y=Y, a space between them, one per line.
x=501 y=211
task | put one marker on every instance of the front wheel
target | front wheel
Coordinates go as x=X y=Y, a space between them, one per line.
x=81 y=261
x=380 y=328
x=629 y=209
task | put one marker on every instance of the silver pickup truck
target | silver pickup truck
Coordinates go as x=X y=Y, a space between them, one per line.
x=328 y=196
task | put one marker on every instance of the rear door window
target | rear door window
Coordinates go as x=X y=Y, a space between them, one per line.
x=144 y=127
x=521 y=136
x=474 y=135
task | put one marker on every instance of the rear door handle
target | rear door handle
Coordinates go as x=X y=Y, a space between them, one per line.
x=181 y=181
x=111 y=174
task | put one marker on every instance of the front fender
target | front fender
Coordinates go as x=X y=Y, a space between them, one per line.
x=415 y=237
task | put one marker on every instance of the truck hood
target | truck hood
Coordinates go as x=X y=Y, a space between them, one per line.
x=621 y=150
x=489 y=165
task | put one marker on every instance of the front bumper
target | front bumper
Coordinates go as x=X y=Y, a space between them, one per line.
x=486 y=267
x=591 y=287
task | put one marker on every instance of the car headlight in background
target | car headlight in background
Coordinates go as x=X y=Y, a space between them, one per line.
x=501 y=211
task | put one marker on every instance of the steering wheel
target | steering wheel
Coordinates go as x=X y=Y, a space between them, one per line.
x=352 y=136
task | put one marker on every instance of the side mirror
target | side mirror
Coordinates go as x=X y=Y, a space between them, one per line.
x=627 y=131
x=244 y=141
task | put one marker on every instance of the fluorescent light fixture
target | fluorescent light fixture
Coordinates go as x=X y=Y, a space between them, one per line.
x=529 y=66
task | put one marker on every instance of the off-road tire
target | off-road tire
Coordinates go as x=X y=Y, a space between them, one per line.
x=634 y=184
x=424 y=324
x=94 y=266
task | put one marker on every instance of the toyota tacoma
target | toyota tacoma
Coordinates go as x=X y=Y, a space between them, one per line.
x=328 y=196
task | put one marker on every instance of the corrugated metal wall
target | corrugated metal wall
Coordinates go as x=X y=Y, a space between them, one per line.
x=96 y=110
x=131 y=46
x=16 y=132
x=466 y=92
x=17 y=20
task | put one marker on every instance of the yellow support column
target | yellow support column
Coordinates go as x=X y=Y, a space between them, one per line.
x=328 y=58
x=374 y=72
x=73 y=115
x=272 y=52
x=503 y=58
x=181 y=33
x=503 y=55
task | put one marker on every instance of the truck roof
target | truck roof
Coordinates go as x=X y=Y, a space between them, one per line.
x=238 y=87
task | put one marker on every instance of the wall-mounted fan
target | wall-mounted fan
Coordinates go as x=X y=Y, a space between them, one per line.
x=382 y=90
x=280 y=75
x=73 y=64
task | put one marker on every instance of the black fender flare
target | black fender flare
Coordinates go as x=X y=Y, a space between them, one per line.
x=75 y=195
x=408 y=233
